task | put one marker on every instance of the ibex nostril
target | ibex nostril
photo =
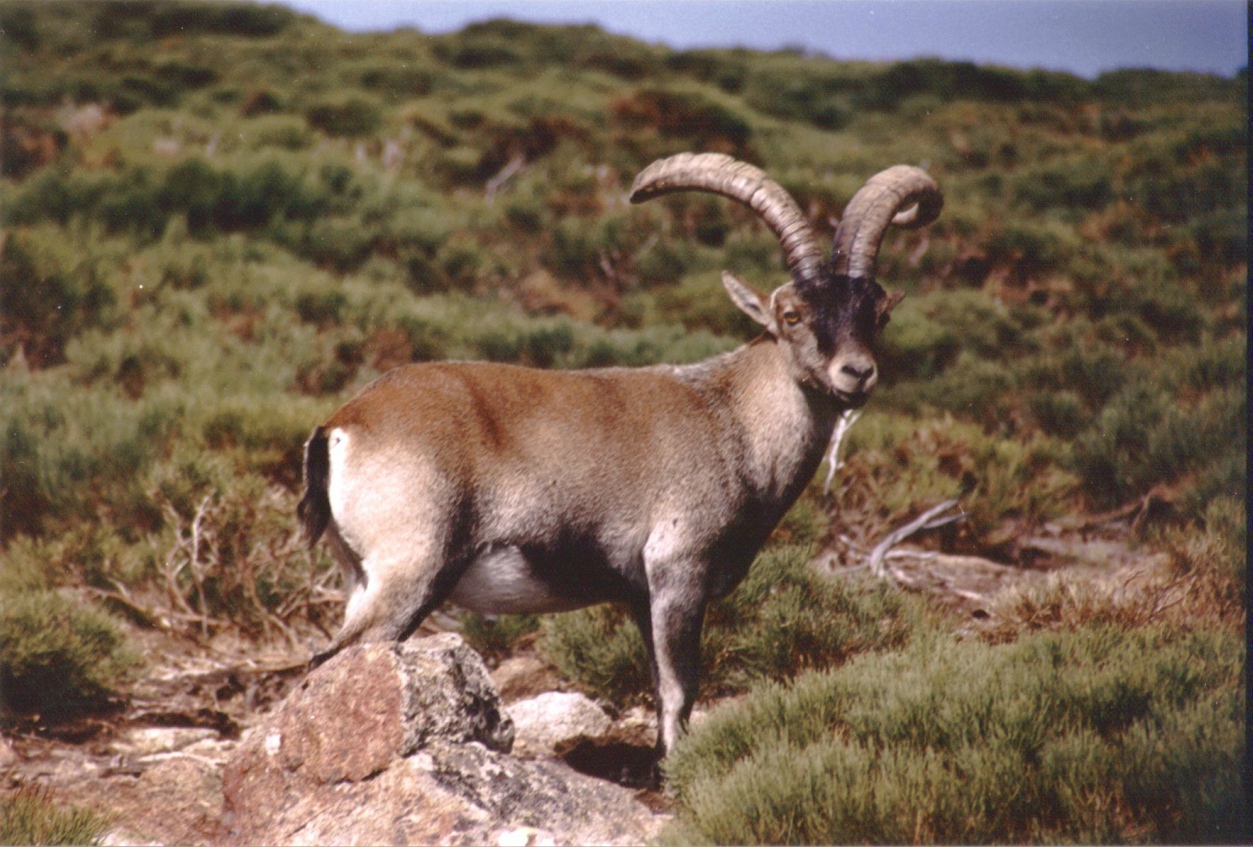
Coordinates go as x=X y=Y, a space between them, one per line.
x=862 y=373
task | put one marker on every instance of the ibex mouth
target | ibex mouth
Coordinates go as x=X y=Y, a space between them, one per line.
x=852 y=399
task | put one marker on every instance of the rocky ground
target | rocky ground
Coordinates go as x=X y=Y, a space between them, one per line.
x=156 y=765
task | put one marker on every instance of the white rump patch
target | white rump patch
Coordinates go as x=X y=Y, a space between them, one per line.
x=337 y=460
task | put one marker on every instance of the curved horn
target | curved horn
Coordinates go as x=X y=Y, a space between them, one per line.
x=749 y=185
x=901 y=195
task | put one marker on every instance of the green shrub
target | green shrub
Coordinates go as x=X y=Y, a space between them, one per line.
x=74 y=452
x=786 y=618
x=1079 y=183
x=694 y=119
x=43 y=304
x=700 y=302
x=600 y=649
x=239 y=19
x=827 y=103
x=783 y=619
x=971 y=388
x=91 y=554
x=1099 y=735
x=1058 y=413
x=1145 y=436
x=142 y=199
x=497 y=636
x=351 y=117
x=30 y=815
x=59 y=657
x=914 y=345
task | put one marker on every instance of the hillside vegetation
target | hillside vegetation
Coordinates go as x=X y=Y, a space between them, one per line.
x=221 y=220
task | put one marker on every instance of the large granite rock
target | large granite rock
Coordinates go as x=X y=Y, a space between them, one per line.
x=407 y=744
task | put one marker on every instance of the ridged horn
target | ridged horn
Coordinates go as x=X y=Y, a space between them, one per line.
x=902 y=195
x=736 y=180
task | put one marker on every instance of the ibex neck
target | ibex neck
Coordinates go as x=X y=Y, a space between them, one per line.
x=781 y=428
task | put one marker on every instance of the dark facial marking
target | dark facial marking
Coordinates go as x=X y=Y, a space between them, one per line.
x=849 y=308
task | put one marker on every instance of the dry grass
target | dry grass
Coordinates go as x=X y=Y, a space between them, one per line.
x=30 y=816
x=1200 y=587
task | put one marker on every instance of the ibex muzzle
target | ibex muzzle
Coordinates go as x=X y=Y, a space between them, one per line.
x=512 y=490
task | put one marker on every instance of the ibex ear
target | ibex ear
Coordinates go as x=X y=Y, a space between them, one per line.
x=884 y=310
x=747 y=300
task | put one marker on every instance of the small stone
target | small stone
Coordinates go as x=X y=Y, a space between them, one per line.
x=122 y=837
x=150 y=741
x=556 y=721
x=8 y=756
x=525 y=836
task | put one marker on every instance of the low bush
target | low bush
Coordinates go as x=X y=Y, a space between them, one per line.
x=73 y=453
x=455 y=327
x=783 y=619
x=497 y=636
x=1098 y=735
x=43 y=303
x=787 y=618
x=601 y=651
x=1146 y=435
x=230 y=554
x=59 y=657
x=350 y=116
x=1210 y=557
x=88 y=554
x=684 y=119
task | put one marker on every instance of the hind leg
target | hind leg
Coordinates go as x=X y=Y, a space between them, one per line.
x=396 y=595
x=398 y=576
x=398 y=533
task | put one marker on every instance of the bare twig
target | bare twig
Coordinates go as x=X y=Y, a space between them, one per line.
x=194 y=561
x=123 y=598
x=225 y=562
x=930 y=519
x=507 y=173
x=174 y=562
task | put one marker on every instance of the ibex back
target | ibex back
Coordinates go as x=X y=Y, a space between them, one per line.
x=512 y=490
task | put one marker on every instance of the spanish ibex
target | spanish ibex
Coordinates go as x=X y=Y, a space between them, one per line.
x=514 y=490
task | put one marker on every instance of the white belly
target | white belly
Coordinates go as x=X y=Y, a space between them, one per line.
x=501 y=583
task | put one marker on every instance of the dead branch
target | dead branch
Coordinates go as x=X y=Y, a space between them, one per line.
x=123 y=598
x=511 y=169
x=930 y=519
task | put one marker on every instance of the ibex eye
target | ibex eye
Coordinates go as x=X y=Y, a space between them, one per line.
x=791 y=318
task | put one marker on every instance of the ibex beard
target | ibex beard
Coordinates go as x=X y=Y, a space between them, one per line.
x=515 y=490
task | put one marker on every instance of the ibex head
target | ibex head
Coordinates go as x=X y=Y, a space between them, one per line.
x=826 y=318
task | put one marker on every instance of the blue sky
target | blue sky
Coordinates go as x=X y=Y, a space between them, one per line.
x=1081 y=36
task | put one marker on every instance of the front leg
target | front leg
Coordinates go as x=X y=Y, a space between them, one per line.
x=677 y=618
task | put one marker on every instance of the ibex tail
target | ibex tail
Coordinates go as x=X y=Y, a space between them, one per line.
x=314 y=509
